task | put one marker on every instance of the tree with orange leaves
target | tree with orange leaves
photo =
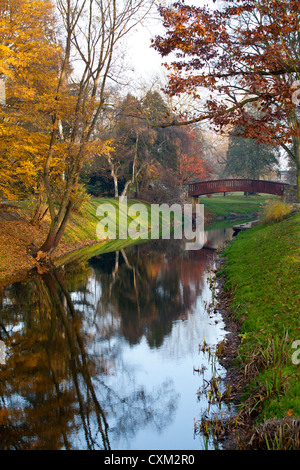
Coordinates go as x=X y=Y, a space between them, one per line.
x=28 y=68
x=191 y=165
x=52 y=111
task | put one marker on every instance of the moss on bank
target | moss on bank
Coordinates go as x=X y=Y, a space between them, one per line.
x=262 y=279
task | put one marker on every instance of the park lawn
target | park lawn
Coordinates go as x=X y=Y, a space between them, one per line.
x=262 y=275
x=234 y=205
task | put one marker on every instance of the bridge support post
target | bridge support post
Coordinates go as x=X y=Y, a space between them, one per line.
x=290 y=194
x=195 y=202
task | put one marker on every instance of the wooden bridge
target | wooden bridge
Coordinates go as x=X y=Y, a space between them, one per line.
x=230 y=185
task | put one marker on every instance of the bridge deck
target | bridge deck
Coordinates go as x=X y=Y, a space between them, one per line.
x=229 y=185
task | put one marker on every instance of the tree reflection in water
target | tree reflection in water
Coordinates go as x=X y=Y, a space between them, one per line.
x=149 y=287
x=65 y=331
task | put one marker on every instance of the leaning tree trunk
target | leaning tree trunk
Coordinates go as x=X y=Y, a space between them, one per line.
x=55 y=235
x=124 y=192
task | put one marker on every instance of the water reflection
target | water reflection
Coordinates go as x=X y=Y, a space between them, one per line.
x=82 y=343
x=147 y=288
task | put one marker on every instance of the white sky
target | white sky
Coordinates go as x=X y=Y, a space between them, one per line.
x=143 y=59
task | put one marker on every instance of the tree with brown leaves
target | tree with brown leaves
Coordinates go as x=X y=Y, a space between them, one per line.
x=246 y=55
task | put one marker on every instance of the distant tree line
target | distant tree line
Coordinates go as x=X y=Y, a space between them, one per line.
x=151 y=162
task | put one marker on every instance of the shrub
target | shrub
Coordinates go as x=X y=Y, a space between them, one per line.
x=275 y=211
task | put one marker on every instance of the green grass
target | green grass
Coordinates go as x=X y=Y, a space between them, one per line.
x=262 y=268
x=80 y=240
x=238 y=204
x=83 y=225
x=97 y=249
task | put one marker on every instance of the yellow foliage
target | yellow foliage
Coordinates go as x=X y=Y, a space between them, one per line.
x=275 y=211
x=28 y=65
x=99 y=147
x=79 y=198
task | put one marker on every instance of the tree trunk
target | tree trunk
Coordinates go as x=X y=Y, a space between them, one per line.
x=55 y=234
x=39 y=214
x=113 y=174
x=127 y=184
x=134 y=174
x=115 y=185
x=41 y=210
x=298 y=172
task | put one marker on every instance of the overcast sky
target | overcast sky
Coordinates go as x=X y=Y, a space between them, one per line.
x=145 y=61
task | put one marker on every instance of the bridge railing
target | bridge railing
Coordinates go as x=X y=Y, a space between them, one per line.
x=228 y=185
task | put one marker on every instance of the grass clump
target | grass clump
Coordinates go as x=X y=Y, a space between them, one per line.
x=276 y=434
x=275 y=211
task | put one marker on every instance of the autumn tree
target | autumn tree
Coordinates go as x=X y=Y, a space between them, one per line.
x=177 y=149
x=28 y=68
x=130 y=135
x=168 y=143
x=91 y=31
x=192 y=166
x=245 y=52
x=141 y=153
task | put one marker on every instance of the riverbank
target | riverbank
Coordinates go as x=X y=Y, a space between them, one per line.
x=259 y=278
x=236 y=206
x=18 y=237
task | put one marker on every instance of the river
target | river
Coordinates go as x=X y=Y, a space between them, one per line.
x=108 y=353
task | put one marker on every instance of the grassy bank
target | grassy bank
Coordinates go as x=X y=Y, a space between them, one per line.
x=237 y=205
x=262 y=279
x=17 y=236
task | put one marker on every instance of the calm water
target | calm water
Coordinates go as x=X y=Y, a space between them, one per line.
x=104 y=354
